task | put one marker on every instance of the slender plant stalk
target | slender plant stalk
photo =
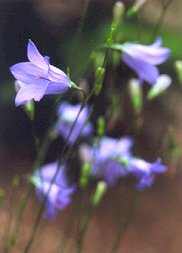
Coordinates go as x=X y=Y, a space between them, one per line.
x=78 y=35
x=43 y=149
x=83 y=16
x=38 y=218
x=87 y=218
x=60 y=161
x=161 y=18
x=124 y=225
x=9 y=223
x=69 y=225
x=85 y=221
x=11 y=216
x=23 y=203
x=62 y=245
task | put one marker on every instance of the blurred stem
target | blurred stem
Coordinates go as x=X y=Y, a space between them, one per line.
x=60 y=160
x=83 y=16
x=12 y=240
x=78 y=33
x=23 y=203
x=83 y=227
x=157 y=28
x=87 y=218
x=41 y=155
x=85 y=101
x=38 y=218
x=124 y=225
x=69 y=224
x=9 y=222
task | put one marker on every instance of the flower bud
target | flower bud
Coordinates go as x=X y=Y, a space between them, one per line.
x=29 y=108
x=135 y=90
x=118 y=12
x=101 y=125
x=85 y=174
x=99 y=193
x=136 y=7
x=100 y=72
x=178 y=67
x=163 y=82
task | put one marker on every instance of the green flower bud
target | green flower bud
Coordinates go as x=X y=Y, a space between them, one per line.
x=99 y=193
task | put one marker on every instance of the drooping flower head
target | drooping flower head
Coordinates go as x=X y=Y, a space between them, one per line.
x=145 y=172
x=67 y=114
x=60 y=191
x=112 y=159
x=109 y=157
x=37 y=77
x=143 y=59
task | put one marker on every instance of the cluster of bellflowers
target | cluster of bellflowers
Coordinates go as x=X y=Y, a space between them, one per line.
x=109 y=159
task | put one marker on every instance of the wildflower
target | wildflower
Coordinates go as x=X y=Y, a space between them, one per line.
x=145 y=172
x=109 y=159
x=144 y=59
x=59 y=191
x=37 y=77
x=112 y=159
x=68 y=114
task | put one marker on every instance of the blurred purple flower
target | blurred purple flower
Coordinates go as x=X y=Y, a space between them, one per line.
x=112 y=159
x=144 y=59
x=145 y=172
x=60 y=192
x=67 y=114
x=109 y=157
x=37 y=77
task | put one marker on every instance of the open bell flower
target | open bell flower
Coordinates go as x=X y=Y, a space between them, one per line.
x=145 y=172
x=112 y=159
x=143 y=59
x=37 y=77
x=60 y=191
x=106 y=156
x=67 y=115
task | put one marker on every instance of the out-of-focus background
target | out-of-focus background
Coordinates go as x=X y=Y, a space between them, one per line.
x=156 y=224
